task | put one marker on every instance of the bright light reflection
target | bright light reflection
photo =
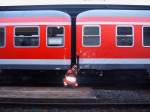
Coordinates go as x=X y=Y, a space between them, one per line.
x=71 y=79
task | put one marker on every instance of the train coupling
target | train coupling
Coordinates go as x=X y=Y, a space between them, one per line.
x=70 y=78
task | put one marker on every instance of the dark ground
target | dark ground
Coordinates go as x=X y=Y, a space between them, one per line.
x=74 y=109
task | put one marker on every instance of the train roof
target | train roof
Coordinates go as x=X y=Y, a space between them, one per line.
x=34 y=13
x=123 y=13
x=73 y=2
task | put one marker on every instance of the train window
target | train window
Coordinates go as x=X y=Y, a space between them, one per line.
x=55 y=36
x=2 y=37
x=91 y=36
x=27 y=36
x=124 y=36
x=146 y=36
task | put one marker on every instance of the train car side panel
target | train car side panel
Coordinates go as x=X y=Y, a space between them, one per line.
x=110 y=55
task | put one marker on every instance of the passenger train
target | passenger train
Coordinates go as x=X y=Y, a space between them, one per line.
x=105 y=39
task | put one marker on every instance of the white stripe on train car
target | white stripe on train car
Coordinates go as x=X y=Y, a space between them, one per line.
x=114 y=61
x=34 y=23
x=120 y=23
x=35 y=61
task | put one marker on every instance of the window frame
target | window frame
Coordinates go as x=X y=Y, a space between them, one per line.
x=99 y=27
x=4 y=36
x=143 y=35
x=132 y=35
x=26 y=46
x=64 y=36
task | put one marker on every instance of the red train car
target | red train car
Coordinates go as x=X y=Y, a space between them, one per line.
x=105 y=39
x=35 y=40
x=113 y=39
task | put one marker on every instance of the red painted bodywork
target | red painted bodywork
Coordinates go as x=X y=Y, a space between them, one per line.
x=41 y=52
x=108 y=47
x=34 y=19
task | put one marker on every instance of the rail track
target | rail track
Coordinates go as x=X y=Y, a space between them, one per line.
x=112 y=97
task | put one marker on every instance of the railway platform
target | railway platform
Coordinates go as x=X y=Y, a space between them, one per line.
x=73 y=96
